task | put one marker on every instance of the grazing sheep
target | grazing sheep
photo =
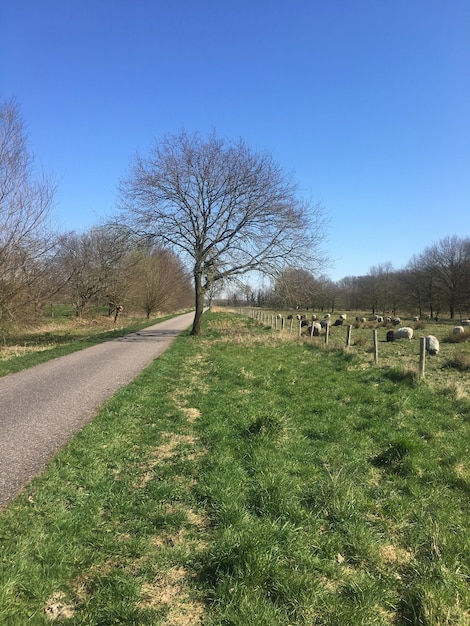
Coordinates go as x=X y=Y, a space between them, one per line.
x=338 y=322
x=314 y=317
x=325 y=323
x=343 y=317
x=390 y=335
x=458 y=330
x=363 y=320
x=379 y=319
x=396 y=321
x=415 y=318
x=315 y=329
x=465 y=322
x=432 y=345
x=327 y=316
x=290 y=317
x=404 y=333
x=303 y=323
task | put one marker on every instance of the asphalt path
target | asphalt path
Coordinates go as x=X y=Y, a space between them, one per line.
x=42 y=407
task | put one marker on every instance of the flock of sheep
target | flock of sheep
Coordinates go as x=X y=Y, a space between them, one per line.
x=405 y=332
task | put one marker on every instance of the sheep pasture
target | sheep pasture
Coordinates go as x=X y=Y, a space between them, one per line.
x=450 y=369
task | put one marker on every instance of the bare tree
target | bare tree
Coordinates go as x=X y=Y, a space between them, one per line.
x=25 y=203
x=227 y=208
x=449 y=263
x=92 y=267
x=160 y=281
x=296 y=288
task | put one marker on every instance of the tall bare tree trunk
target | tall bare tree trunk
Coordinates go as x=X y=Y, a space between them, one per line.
x=199 y=300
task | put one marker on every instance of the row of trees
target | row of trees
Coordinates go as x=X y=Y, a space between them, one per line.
x=107 y=266
x=435 y=282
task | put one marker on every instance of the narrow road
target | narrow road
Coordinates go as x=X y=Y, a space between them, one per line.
x=42 y=407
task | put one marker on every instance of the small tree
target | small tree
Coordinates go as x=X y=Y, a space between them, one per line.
x=227 y=208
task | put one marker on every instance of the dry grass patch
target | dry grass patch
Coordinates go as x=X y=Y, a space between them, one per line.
x=392 y=554
x=164 y=452
x=171 y=591
x=190 y=412
x=9 y=352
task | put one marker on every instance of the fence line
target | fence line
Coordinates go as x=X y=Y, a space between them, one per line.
x=274 y=321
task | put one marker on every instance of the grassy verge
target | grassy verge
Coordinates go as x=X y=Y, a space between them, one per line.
x=23 y=348
x=248 y=480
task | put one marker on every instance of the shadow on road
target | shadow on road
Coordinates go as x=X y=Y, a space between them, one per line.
x=142 y=335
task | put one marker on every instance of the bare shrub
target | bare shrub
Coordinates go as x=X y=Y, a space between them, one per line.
x=460 y=361
x=361 y=341
x=455 y=338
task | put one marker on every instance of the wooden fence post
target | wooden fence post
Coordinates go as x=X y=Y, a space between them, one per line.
x=422 y=357
x=348 y=337
x=327 y=333
x=376 y=347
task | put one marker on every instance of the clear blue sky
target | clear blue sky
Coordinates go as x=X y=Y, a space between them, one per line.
x=367 y=102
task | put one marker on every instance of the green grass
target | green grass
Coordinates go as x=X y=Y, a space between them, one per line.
x=245 y=479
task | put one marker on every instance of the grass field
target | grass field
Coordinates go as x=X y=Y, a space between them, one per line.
x=254 y=479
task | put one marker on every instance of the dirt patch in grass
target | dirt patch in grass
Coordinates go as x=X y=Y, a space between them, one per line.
x=57 y=608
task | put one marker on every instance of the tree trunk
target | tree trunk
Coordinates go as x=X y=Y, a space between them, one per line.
x=200 y=293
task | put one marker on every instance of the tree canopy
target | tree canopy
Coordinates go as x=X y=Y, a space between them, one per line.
x=225 y=207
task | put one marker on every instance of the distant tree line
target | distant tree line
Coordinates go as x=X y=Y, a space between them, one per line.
x=434 y=283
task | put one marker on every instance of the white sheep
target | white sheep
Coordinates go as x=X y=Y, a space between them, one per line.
x=465 y=322
x=458 y=330
x=396 y=321
x=327 y=316
x=432 y=345
x=343 y=316
x=315 y=329
x=379 y=319
x=415 y=318
x=404 y=333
